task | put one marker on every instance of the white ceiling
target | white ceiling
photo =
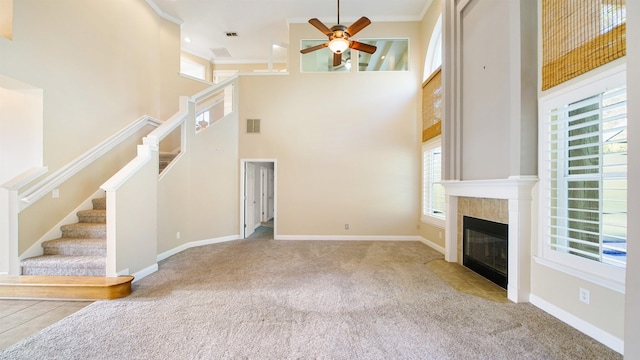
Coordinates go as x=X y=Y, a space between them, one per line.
x=262 y=23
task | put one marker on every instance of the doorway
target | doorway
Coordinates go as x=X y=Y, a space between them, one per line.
x=258 y=205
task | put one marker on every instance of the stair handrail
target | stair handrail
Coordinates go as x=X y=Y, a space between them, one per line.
x=154 y=137
x=46 y=185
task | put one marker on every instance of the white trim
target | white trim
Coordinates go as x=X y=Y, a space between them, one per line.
x=426 y=7
x=591 y=330
x=243 y=162
x=432 y=245
x=517 y=190
x=23 y=179
x=603 y=274
x=54 y=180
x=144 y=272
x=117 y=180
x=192 y=244
x=570 y=270
x=348 y=238
x=434 y=221
x=163 y=14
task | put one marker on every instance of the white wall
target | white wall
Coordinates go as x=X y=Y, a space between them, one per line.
x=347 y=144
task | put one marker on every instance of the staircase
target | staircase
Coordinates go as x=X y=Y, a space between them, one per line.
x=71 y=267
x=165 y=158
x=81 y=251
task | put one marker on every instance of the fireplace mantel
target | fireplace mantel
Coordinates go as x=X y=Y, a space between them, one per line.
x=515 y=189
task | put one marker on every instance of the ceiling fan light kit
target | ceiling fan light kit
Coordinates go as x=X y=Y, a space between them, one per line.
x=338 y=45
x=339 y=38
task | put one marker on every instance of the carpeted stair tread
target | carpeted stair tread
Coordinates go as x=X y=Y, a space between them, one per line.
x=75 y=246
x=92 y=216
x=99 y=203
x=84 y=230
x=64 y=265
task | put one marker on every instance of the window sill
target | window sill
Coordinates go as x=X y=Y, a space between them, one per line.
x=606 y=283
x=433 y=221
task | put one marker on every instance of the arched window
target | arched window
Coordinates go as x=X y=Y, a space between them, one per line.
x=433 y=59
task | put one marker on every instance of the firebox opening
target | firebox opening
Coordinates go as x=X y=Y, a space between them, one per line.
x=485 y=248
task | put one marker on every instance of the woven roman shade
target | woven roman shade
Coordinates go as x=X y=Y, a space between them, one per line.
x=579 y=36
x=432 y=106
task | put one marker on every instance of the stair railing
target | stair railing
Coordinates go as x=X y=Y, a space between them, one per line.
x=18 y=195
x=132 y=245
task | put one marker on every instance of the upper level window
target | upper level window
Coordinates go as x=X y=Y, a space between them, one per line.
x=192 y=68
x=433 y=60
x=322 y=60
x=391 y=55
x=584 y=176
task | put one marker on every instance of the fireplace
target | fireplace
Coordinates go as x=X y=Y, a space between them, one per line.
x=485 y=248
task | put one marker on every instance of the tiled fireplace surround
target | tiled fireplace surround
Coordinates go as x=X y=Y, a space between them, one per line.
x=506 y=201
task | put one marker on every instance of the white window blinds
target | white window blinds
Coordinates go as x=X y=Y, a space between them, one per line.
x=587 y=167
x=433 y=193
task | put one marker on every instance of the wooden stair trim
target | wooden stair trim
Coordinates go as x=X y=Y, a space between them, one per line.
x=64 y=287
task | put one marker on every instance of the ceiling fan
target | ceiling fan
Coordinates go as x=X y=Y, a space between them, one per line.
x=339 y=38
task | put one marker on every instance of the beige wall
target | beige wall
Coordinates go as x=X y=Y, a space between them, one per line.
x=100 y=66
x=346 y=143
x=131 y=69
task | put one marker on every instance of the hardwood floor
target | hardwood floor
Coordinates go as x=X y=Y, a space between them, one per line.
x=65 y=287
x=22 y=318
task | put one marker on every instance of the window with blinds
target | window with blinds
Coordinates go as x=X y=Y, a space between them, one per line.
x=433 y=193
x=587 y=177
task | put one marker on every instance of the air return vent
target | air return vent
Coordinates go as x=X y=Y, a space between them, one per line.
x=220 y=52
x=253 y=126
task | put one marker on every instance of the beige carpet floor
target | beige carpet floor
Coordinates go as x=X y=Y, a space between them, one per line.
x=265 y=299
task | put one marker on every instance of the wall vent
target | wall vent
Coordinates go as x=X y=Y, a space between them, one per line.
x=253 y=126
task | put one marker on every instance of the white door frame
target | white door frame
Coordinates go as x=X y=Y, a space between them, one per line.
x=243 y=163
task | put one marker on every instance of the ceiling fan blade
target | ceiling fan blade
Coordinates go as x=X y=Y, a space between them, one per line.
x=320 y=26
x=356 y=45
x=314 y=48
x=358 y=25
x=337 y=59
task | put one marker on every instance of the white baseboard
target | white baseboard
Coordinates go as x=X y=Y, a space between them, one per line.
x=191 y=244
x=432 y=245
x=145 y=272
x=348 y=237
x=600 y=335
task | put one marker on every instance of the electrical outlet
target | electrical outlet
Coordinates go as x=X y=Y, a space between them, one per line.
x=584 y=295
x=178 y=235
x=346 y=226
x=439 y=234
x=55 y=193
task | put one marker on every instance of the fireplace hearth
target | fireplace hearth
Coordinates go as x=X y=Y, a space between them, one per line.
x=485 y=248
